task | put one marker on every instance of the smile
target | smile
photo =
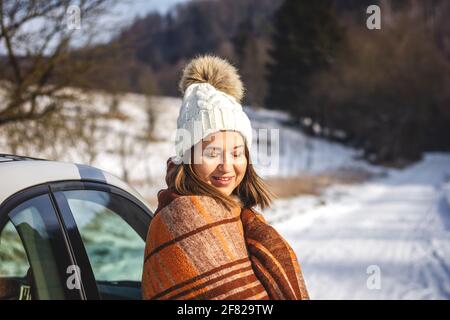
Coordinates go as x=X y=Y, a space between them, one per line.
x=223 y=178
x=221 y=181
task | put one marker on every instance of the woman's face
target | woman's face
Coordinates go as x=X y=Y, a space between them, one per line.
x=222 y=160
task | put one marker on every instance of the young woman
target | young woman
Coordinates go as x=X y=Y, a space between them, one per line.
x=206 y=241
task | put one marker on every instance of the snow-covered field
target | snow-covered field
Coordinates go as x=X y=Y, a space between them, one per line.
x=119 y=146
x=385 y=239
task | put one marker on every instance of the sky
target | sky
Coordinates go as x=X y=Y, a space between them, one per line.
x=122 y=14
x=132 y=8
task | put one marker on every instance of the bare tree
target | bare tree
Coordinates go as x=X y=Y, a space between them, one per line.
x=36 y=38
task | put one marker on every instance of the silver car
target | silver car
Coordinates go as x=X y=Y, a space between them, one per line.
x=69 y=231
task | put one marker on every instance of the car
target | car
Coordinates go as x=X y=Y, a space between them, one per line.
x=69 y=231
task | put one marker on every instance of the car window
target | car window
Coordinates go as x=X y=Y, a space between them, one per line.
x=13 y=265
x=13 y=258
x=107 y=224
x=37 y=226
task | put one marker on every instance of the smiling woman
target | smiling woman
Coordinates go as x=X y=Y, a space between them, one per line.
x=206 y=241
x=221 y=168
x=223 y=162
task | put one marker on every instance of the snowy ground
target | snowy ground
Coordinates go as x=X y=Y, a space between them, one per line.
x=385 y=239
x=388 y=238
x=119 y=146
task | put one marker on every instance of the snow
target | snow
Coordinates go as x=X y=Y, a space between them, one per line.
x=121 y=148
x=395 y=229
x=387 y=238
x=299 y=153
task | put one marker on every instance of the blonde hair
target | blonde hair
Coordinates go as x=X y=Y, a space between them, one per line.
x=251 y=191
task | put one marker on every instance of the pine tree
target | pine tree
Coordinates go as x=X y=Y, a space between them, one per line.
x=305 y=40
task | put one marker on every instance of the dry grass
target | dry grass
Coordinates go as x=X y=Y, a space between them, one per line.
x=287 y=187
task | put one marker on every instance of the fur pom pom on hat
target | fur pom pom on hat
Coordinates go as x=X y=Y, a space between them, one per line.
x=212 y=92
x=215 y=71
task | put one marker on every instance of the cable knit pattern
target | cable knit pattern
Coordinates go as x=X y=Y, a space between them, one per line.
x=206 y=110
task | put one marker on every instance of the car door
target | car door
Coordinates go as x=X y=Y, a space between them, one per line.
x=34 y=251
x=107 y=229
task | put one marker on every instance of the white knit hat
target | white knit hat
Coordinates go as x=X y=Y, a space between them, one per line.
x=211 y=103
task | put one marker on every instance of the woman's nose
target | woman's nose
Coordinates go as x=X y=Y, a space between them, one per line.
x=227 y=163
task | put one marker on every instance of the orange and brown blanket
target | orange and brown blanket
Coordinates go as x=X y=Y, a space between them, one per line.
x=196 y=249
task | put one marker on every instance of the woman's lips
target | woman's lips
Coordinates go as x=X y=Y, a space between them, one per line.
x=222 y=181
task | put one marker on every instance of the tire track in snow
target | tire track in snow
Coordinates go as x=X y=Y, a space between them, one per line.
x=396 y=223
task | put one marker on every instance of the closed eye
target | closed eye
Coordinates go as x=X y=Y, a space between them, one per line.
x=212 y=152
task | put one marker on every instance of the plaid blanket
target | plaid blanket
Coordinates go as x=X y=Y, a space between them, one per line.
x=196 y=249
